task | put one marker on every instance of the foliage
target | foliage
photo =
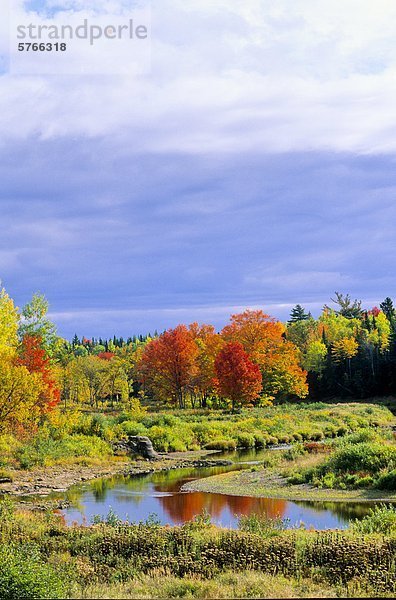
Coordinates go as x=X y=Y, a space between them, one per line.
x=381 y=519
x=168 y=366
x=123 y=553
x=238 y=378
x=262 y=525
x=23 y=574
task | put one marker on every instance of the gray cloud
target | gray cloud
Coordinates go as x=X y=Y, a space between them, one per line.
x=194 y=235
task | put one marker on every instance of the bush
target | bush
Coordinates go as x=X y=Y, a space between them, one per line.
x=262 y=525
x=134 y=428
x=328 y=480
x=221 y=445
x=245 y=440
x=366 y=457
x=387 y=481
x=23 y=575
x=381 y=519
x=294 y=452
x=46 y=451
x=297 y=478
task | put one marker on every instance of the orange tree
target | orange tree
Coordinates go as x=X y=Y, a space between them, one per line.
x=263 y=338
x=168 y=365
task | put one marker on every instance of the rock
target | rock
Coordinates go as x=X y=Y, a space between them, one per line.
x=138 y=444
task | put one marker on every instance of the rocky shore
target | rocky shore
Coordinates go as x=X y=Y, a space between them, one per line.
x=42 y=482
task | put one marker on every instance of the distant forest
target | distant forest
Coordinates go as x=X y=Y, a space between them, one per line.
x=255 y=360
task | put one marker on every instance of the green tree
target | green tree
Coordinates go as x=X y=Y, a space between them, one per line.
x=36 y=323
x=389 y=311
x=298 y=314
x=347 y=308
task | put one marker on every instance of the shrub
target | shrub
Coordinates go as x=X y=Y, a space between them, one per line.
x=316 y=447
x=366 y=457
x=381 y=519
x=134 y=428
x=46 y=451
x=23 y=575
x=245 y=440
x=294 y=452
x=221 y=445
x=364 y=482
x=262 y=525
x=297 y=478
x=387 y=481
x=329 y=480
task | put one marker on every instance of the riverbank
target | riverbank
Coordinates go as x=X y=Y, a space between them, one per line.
x=268 y=484
x=42 y=557
x=44 y=481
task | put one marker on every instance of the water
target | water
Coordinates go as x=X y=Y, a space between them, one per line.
x=136 y=498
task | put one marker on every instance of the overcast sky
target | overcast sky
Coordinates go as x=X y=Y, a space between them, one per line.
x=252 y=166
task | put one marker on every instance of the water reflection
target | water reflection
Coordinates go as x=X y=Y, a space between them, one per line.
x=135 y=498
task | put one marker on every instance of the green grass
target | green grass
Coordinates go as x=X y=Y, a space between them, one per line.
x=74 y=435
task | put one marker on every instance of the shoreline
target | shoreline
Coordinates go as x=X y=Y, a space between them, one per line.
x=44 y=481
x=245 y=484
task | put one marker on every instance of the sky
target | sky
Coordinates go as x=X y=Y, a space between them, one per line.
x=252 y=165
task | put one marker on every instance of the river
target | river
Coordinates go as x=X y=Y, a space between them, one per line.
x=134 y=499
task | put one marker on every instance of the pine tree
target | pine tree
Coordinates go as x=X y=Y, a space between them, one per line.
x=298 y=314
x=389 y=310
x=348 y=309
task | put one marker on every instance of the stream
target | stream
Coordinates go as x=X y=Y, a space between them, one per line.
x=136 y=498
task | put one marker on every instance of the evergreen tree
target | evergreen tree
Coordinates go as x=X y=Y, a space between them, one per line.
x=389 y=310
x=298 y=314
x=347 y=308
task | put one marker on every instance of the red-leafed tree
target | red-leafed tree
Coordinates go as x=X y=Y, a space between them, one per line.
x=238 y=378
x=263 y=338
x=33 y=356
x=167 y=366
x=106 y=355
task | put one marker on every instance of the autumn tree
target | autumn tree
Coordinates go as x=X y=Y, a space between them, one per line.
x=88 y=380
x=35 y=322
x=238 y=378
x=33 y=356
x=209 y=344
x=168 y=367
x=264 y=340
x=20 y=395
x=9 y=318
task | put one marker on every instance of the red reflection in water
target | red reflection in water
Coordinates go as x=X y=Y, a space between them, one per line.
x=184 y=507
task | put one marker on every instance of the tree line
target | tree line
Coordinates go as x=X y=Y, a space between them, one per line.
x=348 y=351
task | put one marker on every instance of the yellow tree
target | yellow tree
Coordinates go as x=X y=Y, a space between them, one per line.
x=19 y=395
x=9 y=319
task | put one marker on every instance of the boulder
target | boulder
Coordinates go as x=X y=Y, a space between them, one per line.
x=138 y=444
x=142 y=445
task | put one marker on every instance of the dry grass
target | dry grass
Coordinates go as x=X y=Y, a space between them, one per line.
x=248 y=584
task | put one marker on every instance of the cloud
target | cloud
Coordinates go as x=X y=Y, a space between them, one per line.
x=230 y=77
x=105 y=234
x=253 y=166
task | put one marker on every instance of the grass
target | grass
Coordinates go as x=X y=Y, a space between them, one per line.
x=247 y=584
x=71 y=436
x=278 y=477
x=42 y=558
